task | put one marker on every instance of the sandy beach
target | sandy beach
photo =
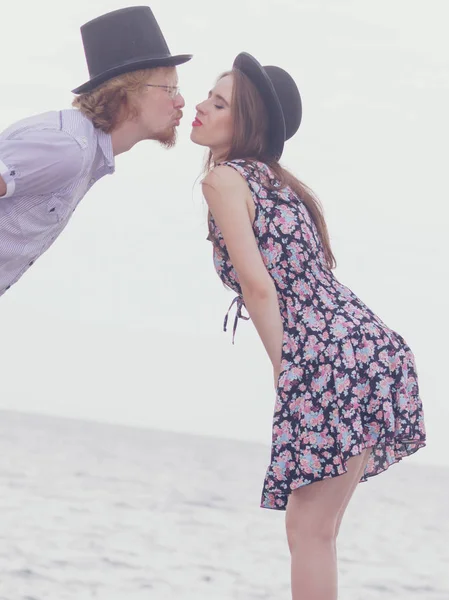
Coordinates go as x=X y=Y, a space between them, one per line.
x=93 y=511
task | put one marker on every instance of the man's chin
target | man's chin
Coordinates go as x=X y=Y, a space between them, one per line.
x=168 y=138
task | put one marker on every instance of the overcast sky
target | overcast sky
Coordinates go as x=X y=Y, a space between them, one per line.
x=121 y=320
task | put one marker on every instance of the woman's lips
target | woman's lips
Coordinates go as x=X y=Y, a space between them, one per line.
x=196 y=123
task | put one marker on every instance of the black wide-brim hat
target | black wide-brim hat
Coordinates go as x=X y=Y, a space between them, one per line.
x=281 y=97
x=122 y=41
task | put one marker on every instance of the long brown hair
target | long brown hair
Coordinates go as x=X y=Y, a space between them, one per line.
x=111 y=103
x=250 y=142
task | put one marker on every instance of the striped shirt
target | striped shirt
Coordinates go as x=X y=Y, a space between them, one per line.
x=48 y=163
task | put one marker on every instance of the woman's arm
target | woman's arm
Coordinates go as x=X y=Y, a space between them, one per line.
x=227 y=195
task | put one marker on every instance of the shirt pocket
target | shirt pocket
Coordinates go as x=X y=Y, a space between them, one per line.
x=59 y=208
x=39 y=219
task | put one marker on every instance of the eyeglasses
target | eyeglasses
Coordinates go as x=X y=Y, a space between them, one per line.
x=172 y=90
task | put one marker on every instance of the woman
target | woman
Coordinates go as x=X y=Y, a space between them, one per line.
x=347 y=401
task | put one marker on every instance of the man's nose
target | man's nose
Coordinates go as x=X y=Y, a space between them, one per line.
x=179 y=101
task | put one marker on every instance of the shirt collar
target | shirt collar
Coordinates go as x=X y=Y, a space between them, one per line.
x=105 y=143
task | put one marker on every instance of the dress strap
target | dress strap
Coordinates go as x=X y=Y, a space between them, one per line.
x=238 y=315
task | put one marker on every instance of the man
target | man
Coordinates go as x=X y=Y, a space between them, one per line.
x=48 y=162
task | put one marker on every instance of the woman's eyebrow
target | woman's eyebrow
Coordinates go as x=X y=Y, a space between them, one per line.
x=219 y=97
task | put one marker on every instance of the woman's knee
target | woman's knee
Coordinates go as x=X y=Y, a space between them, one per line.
x=306 y=527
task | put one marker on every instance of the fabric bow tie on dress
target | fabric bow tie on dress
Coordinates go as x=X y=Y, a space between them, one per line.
x=238 y=315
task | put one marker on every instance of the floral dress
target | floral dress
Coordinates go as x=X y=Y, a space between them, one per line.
x=347 y=381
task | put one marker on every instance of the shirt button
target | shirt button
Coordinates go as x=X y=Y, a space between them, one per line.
x=31 y=263
x=92 y=181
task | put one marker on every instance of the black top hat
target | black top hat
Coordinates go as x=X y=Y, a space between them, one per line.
x=122 y=41
x=281 y=97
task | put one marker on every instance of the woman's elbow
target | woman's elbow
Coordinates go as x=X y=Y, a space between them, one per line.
x=258 y=289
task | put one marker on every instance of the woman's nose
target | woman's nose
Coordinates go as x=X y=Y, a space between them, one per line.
x=200 y=107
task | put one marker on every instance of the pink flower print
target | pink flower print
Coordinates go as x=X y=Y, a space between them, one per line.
x=302 y=289
x=263 y=194
x=326 y=298
x=283 y=465
x=384 y=386
x=340 y=327
x=366 y=352
x=271 y=252
x=311 y=418
x=273 y=232
x=305 y=214
x=357 y=425
x=402 y=399
x=362 y=390
x=334 y=418
x=285 y=219
x=391 y=358
x=315 y=439
x=395 y=362
x=218 y=261
x=306 y=233
x=260 y=224
x=296 y=257
x=312 y=348
x=293 y=374
x=327 y=399
x=412 y=387
x=321 y=378
x=310 y=463
x=348 y=354
x=299 y=325
x=332 y=351
x=290 y=346
x=345 y=438
x=372 y=329
x=296 y=405
x=342 y=383
x=282 y=434
x=308 y=236
x=279 y=404
x=388 y=414
x=279 y=275
x=374 y=368
x=317 y=419
x=255 y=185
x=269 y=500
x=372 y=430
x=314 y=319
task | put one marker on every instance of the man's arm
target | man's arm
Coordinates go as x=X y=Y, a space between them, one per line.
x=38 y=162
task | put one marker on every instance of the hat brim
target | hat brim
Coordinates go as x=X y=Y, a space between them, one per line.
x=251 y=67
x=135 y=65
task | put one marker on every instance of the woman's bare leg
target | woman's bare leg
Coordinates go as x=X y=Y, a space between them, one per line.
x=314 y=513
x=351 y=491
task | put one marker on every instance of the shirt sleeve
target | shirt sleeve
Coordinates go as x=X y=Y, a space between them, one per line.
x=39 y=162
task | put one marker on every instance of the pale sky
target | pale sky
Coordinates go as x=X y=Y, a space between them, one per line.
x=121 y=320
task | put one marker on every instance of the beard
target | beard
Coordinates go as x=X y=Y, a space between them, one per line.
x=167 y=138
